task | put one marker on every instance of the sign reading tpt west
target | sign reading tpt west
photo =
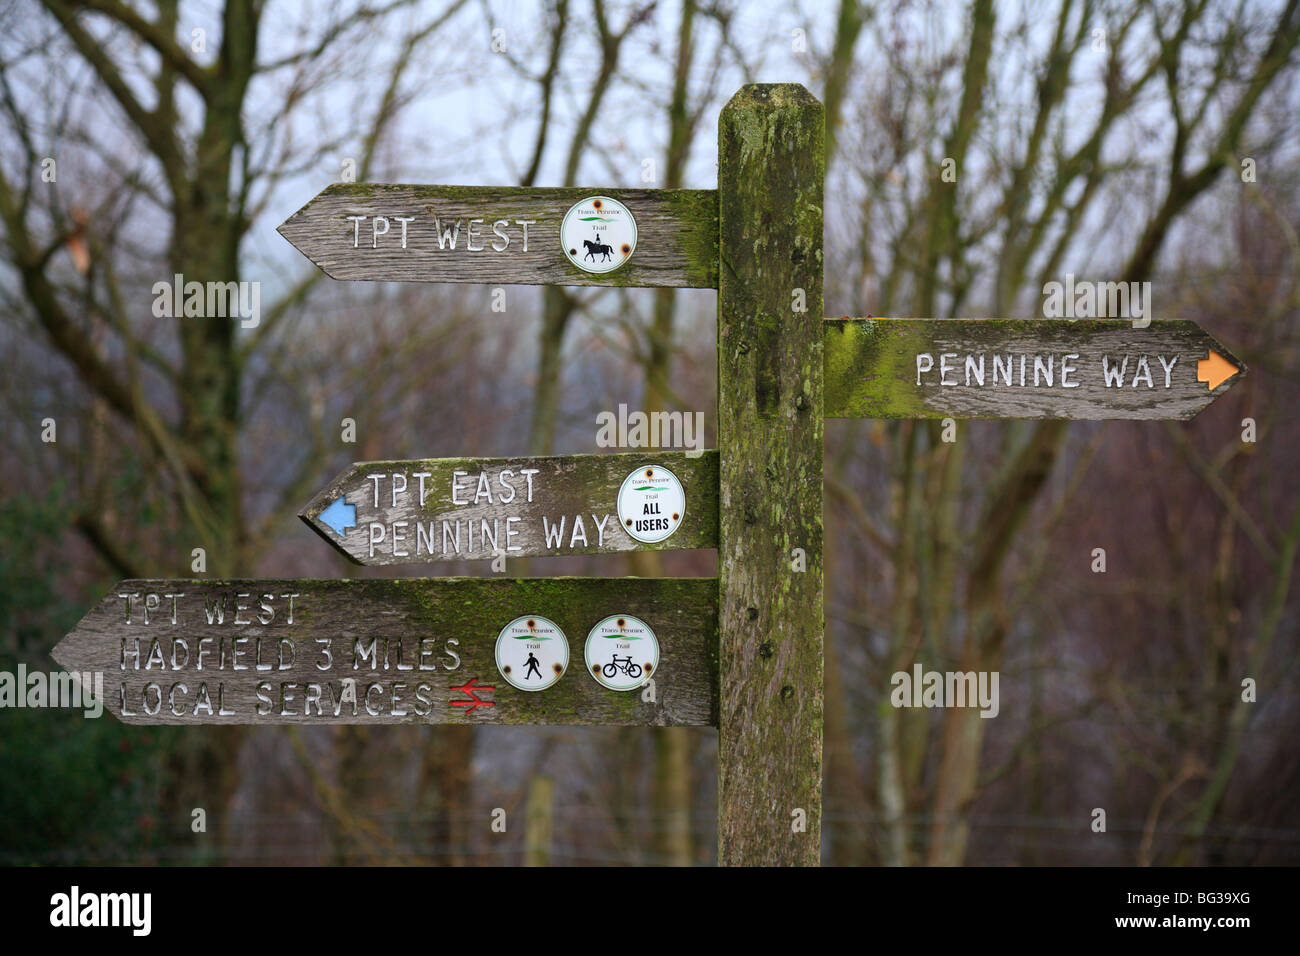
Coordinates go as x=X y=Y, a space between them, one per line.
x=499 y=235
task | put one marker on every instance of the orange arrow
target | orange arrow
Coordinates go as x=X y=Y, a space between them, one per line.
x=1215 y=370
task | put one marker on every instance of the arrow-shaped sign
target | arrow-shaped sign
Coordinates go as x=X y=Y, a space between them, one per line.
x=1022 y=368
x=500 y=235
x=447 y=509
x=383 y=651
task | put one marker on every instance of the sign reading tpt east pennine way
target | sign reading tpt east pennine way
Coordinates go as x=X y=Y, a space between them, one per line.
x=407 y=512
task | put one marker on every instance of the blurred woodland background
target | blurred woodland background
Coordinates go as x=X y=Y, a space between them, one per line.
x=1111 y=139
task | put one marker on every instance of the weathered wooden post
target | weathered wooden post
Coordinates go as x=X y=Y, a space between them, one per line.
x=771 y=165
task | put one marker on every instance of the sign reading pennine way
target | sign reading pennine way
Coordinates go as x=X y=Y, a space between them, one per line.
x=1021 y=368
x=740 y=652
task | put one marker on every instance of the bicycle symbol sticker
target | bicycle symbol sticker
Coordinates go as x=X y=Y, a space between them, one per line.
x=622 y=652
x=532 y=652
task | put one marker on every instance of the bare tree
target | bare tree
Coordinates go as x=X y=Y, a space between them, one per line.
x=947 y=542
x=192 y=175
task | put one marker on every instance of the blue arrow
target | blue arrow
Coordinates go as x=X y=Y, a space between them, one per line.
x=340 y=516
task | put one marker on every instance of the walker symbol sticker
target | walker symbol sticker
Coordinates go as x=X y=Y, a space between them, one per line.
x=651 y=504
x=598 y=234
x=532 y=652
x=622 y=653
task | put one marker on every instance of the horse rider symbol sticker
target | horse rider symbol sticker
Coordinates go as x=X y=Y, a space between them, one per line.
x=598 y=234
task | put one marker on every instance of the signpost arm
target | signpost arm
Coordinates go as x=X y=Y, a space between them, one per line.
x=771 y=167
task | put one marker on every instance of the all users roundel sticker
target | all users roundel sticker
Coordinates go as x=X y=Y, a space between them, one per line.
x=651 y=504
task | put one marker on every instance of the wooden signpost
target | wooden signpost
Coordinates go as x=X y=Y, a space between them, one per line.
x=742 y=653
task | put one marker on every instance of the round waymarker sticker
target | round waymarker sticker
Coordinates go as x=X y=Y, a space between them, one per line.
x=598 y=234
x=622 y=652
x=532 y=652
x=651 y=504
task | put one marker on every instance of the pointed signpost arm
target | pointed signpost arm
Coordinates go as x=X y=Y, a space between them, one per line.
x=455 y=509
x=377 y=651
x=771 y=171
x=498 y=235
x=1086 y=369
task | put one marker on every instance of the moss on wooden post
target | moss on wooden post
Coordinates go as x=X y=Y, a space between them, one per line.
x=771 y=167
